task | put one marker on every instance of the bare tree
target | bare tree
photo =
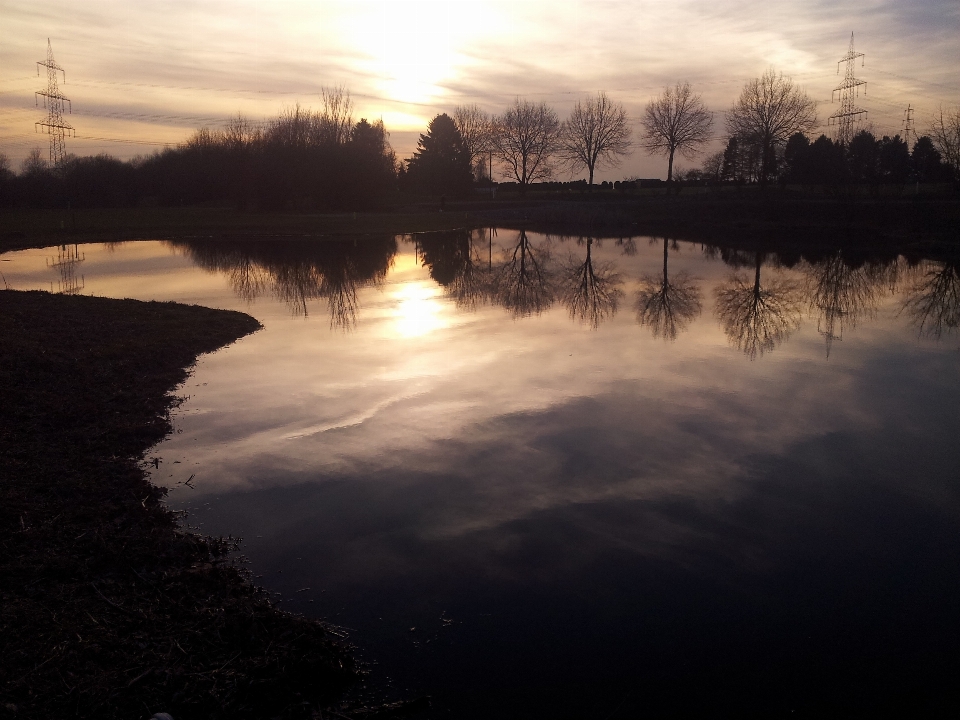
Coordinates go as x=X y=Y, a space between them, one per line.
x=591 y=291
x=335 y=120
x=934 y=300
x=667 y=306
x=524 y=140
x=945 y=133
x=769 y=110
x=524 y=282
x=596 y=133
x=758 y=317
x=474 y=126
x=676 y=121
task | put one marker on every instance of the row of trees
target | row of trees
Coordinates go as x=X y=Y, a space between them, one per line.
x=325 y=160
x=530 y=143
x=302 y=159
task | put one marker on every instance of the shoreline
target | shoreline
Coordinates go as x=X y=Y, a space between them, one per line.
x=110 y=608
x=730 y=216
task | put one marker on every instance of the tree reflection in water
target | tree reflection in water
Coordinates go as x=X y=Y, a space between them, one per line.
x=590 y=291
x=666 y=306
x=842 y=293
x=297 y=271
x=758 y=317
x=933 y=301
x=455 y=263
x=523 y=281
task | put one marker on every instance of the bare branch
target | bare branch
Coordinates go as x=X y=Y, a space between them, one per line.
x=524 y=140
x=945 y=133
x=769 y=110
x=596 y=133
x=676 y=121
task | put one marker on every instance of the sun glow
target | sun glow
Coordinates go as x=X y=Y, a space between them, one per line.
x=418 y=311
x=414 y=47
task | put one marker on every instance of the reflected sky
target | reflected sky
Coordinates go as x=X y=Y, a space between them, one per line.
x=691 y=465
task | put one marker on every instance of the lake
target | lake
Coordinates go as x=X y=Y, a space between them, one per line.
x=536 y=476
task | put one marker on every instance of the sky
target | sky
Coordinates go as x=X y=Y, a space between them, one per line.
x=144 y=76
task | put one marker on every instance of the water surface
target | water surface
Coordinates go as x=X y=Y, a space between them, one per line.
x=569 y=477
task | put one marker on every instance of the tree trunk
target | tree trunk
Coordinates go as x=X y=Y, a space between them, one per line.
x=670 y=171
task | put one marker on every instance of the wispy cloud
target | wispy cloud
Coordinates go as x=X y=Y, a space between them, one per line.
x=154 y=72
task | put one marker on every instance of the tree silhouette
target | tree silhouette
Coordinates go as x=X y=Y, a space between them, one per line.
x=523 y=281
x=441 y=163
x=667 y=306
x=769 y=110
x=842 y=293
x=597 y=133
x=945 y=133
x=475 y=129
x=524 y=140
x=590 y=291
x=757 y=317
x=933 y=302
x=676 y=120
x=297 y=272
x=455 y=265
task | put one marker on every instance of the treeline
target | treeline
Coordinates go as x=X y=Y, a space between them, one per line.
x=302 y=160
x=865 y=161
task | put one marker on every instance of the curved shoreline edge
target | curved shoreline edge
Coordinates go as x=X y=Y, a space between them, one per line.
x=110 y=609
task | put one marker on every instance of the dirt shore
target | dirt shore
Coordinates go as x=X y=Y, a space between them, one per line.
x=109 y=609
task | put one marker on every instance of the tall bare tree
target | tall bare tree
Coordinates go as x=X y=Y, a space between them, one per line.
x=769 y=110
x=474 y=126
x=596 y=133
x=676 y=121
x=524 y=140
x=945 y=133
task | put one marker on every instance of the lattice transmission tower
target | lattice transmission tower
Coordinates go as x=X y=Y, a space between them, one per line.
x=908 y=129
x=847 y=117
x=53 y=101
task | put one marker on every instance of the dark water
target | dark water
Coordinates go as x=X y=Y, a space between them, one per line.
x=551 y=477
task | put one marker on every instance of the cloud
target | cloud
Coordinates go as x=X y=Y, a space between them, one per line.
x=165 y=63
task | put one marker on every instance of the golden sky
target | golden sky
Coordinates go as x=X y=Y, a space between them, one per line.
x=139 y=77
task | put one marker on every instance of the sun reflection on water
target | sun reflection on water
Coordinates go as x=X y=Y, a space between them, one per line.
x=418 y=310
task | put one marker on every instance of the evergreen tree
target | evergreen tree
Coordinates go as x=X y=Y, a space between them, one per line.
x=441 y=163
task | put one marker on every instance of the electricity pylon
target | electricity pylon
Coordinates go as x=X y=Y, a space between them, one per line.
x=66 y=264
x=846 y=118
x=53 y=101
x=908 y=128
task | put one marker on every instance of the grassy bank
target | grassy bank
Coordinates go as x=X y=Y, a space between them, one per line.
x=33 y=228
x=109 y=609
x=704 y=215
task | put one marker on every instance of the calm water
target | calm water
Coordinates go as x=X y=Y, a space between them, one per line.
x=551 y=477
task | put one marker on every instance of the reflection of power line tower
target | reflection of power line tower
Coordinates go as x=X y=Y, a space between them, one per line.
x=53 y=101
x=66 y=264
x=908 y=128
x=849 y=114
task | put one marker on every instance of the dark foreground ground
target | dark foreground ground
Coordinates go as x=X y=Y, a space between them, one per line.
x=109 y=610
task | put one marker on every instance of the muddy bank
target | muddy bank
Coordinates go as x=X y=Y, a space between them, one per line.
x=109 y=610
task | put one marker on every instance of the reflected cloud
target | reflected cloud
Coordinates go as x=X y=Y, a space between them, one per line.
x=758 y=317
x=666 y=306
x=590 y=291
